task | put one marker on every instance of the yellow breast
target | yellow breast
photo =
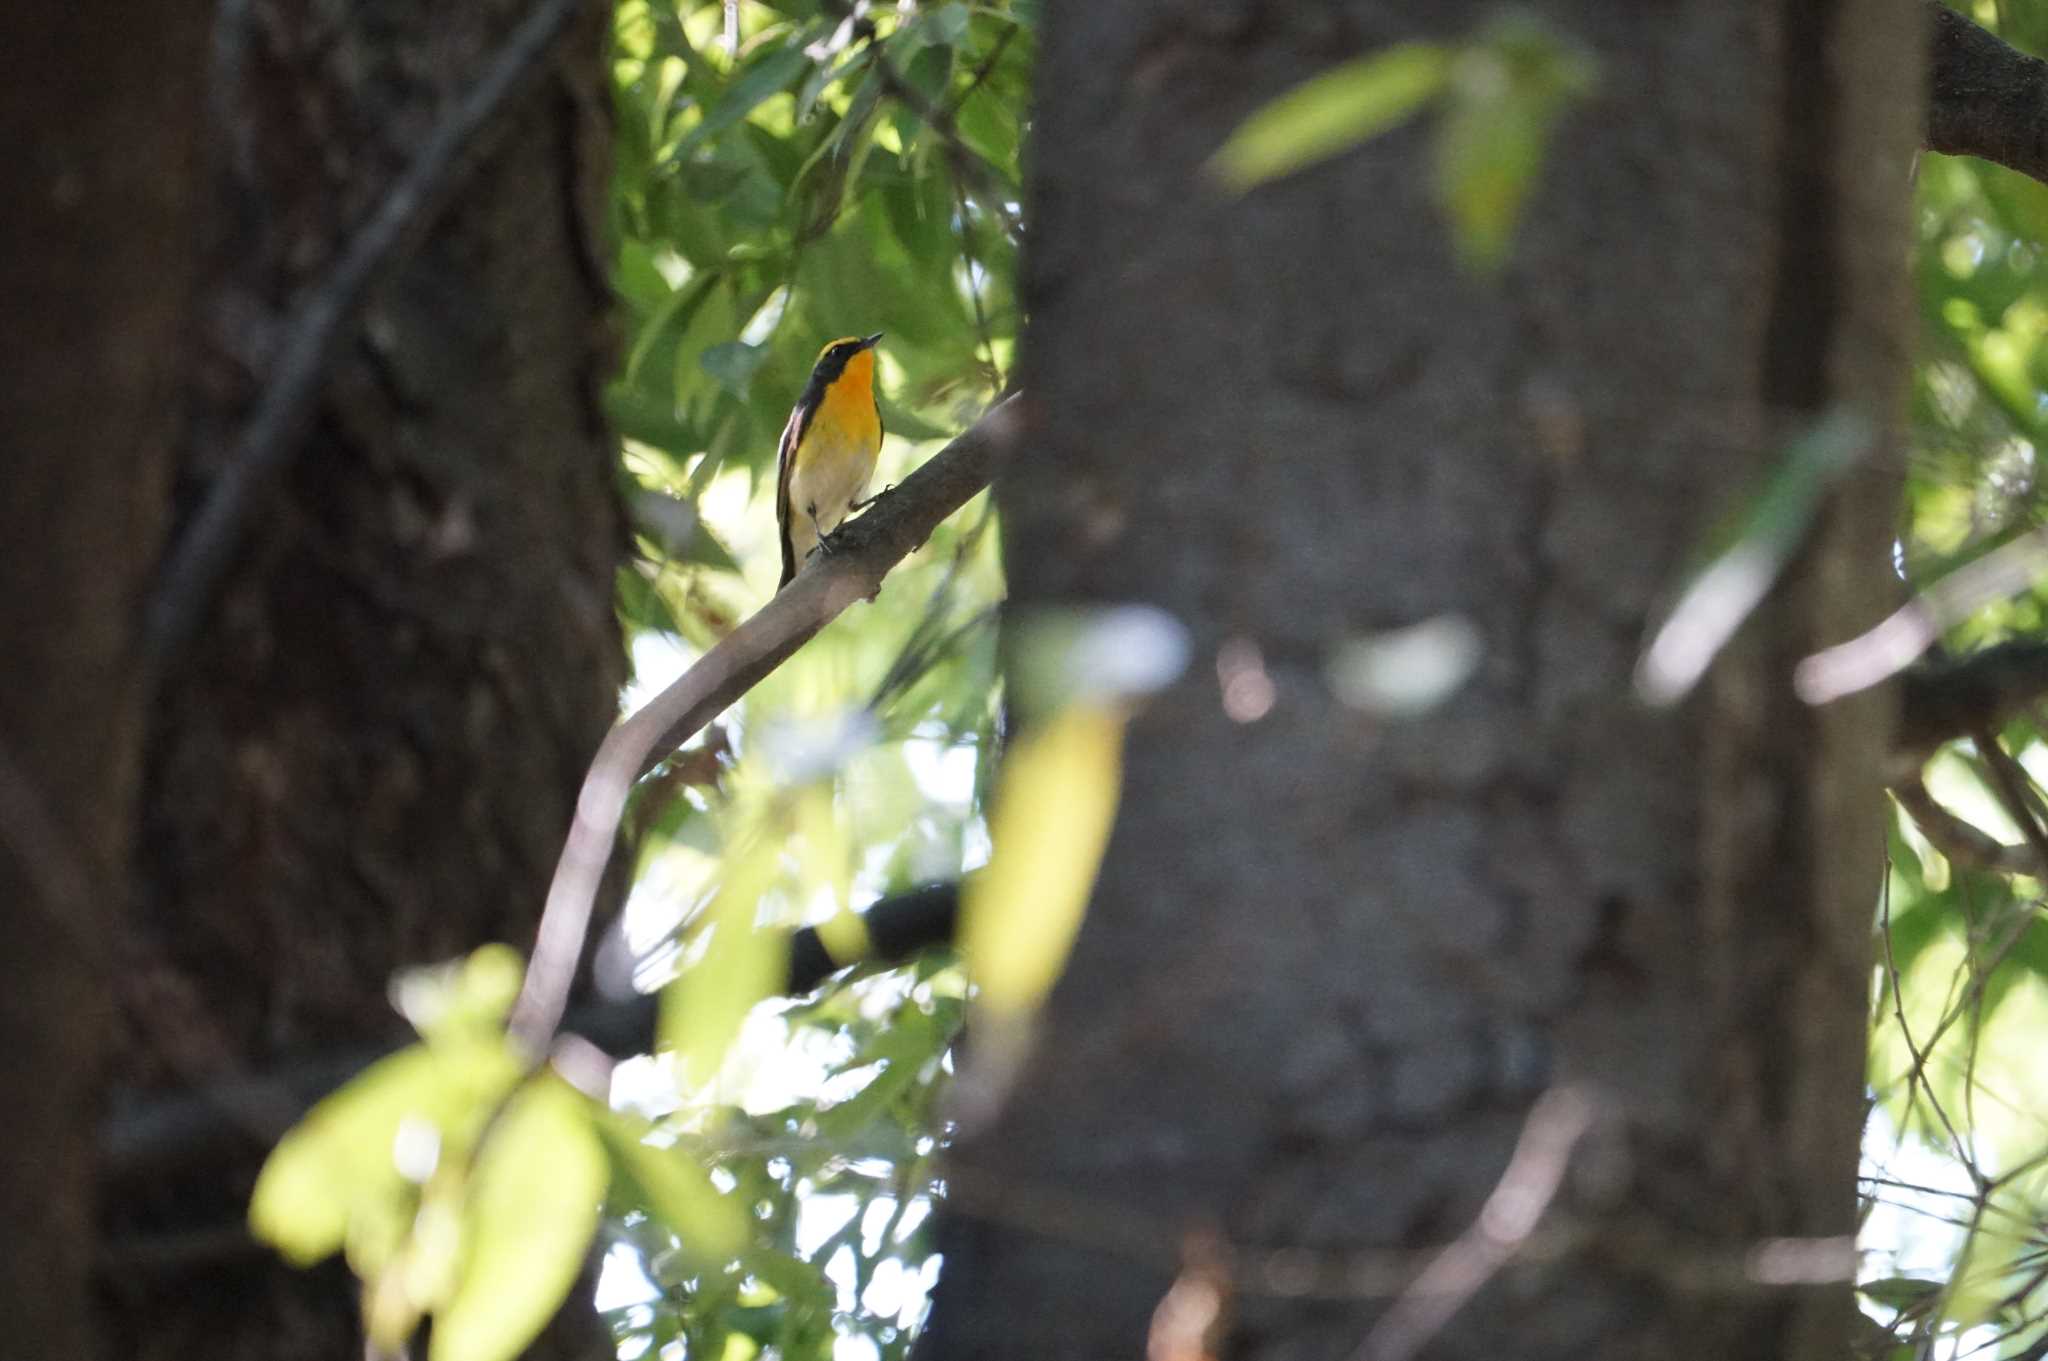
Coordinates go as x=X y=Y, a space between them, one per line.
x=848 y=408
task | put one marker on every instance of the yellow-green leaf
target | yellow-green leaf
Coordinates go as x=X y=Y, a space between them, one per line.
x=467 y=995
x=1504 y=93
x=1331 y=113
x=1051 y=822
x=532 y=1210
x=339 y=1167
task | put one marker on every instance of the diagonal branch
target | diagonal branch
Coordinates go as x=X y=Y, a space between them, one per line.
x=866 y=549
x=1985 y=97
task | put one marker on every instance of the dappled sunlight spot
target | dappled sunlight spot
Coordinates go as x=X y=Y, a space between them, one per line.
x=1406 y=672
x=622 y=1283
x=1956 y=784
x=644 y=1086
x=1248 y=691
x=855 y=1347
x=1918 y=1196
x=943 y=769
x=659 y=659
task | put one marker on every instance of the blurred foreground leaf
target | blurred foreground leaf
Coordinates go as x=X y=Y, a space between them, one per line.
x=1506 y=92
x=336 y=1179
x=531 y=1212
x=1331 y=113
x=1051 y=822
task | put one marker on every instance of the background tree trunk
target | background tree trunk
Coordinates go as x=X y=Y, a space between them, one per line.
x=1332 y=962
x=96 y=254
x=367 y=758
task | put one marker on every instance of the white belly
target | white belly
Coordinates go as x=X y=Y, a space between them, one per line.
x=823 y=487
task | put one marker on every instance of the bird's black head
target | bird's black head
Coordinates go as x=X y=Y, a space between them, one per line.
x=832 y=359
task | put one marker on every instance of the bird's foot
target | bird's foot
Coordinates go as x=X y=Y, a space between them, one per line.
x=864 y=504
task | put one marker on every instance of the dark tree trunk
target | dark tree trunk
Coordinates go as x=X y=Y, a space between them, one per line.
x=1332 y=963
x=96 y=252
x=366 y=760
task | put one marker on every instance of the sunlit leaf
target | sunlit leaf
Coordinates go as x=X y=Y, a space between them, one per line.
x=1992 y=1257
x=913 y=1041
x=1331 y=113
x=532 y=1210
x=1051 y=823
x=337 y=1171
x=472 y=994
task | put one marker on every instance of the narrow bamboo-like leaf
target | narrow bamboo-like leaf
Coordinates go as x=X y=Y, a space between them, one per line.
x=1505 y=91
x=1716 y=602
x=1052 y=817
x=769 y=76
x=534 y=1197
x=1331 y=113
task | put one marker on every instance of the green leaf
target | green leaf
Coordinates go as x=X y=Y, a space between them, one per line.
x=713 y=1228
x=671 y=319
x=648 y=418
x=769 y=76
x=949 y=24
x=1505 y=93
x=1331 y=113
x=734 y=364
x=1900 y=1292
x=990 y=128
x=534 y=1198
x=334 y=1175
x=911 y=1042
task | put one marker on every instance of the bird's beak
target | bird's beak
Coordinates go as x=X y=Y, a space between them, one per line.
x=868 y=342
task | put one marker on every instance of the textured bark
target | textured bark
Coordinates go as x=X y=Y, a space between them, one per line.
x=1331 y=963
x=96 y=253
x=368 y=757
x=1985 y=97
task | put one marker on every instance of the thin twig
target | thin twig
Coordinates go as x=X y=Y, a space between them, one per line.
x=866 y=549
x=197 y=563
x=1535 y=1171
x=1917 y=1077
x=1899 y=639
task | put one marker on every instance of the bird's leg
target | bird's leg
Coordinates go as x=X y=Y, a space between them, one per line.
x=827 y=539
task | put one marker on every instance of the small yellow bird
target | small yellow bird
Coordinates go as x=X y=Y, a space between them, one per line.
x=828 y=450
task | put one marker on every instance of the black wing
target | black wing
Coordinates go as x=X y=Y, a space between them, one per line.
x=785 y=461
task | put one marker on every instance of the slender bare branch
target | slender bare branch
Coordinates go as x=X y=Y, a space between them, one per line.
x=1902 y=636
x=1535 y=1171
